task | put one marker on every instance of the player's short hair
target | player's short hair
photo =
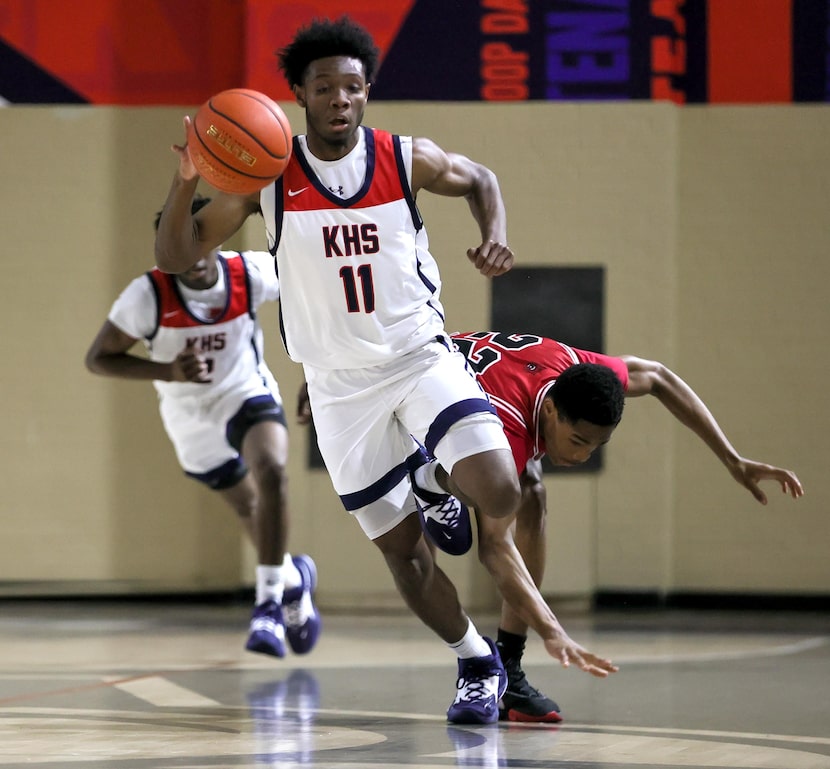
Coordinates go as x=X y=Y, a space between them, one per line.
x=591 y=392
x=199 y=201
x=323 y=38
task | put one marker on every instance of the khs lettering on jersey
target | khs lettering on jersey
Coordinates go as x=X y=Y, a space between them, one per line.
x=375 y=293
x=350 y=240
x=209 y=343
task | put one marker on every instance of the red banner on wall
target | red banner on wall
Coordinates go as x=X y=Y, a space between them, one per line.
x=131 y=52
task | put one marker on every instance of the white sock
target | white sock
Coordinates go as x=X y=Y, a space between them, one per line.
x=425 y=478
x=472 y=644
x=291 y=574
x=270 y=583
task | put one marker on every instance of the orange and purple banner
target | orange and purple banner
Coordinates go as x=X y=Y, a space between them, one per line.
x=158 y=52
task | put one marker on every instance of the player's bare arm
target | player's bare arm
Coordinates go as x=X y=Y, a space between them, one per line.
x=183 y=239
x=454 y=175
x=109 y=356
x=498 y=552
x=653 y=378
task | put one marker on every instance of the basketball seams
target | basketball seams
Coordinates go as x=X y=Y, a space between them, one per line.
x=233 y=169
x=220 y=124
x=247 y=95
x=200 y=129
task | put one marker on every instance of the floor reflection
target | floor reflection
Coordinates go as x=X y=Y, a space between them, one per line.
x=283 y=712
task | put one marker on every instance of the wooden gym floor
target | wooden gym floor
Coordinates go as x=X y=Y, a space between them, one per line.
x=135 y=685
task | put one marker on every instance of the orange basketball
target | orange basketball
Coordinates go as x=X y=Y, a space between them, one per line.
x=240 y=141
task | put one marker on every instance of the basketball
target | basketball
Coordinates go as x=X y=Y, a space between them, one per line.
x=239 y=141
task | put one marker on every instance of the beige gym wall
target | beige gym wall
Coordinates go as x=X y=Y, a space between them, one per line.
x=710 y=223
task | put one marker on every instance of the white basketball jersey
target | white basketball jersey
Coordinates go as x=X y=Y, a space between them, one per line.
x=230 y=340
x=358 y=284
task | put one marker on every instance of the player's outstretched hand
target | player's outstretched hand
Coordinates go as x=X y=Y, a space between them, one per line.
x=568 y=652
x=749 y=474
x=191 y=366
x=186 y=168
x=491 y=258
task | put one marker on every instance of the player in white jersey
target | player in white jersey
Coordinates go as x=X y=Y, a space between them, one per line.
x=360 y=309
x=222 y=411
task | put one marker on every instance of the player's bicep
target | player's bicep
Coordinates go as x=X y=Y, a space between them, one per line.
x=440 y=172
x=110 y=340
x=642 y=376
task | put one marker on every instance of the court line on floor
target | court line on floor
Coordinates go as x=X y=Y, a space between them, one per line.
x=773 y=651
x=382 y=715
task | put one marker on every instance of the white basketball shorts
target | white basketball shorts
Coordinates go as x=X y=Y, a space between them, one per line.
x=207 y=431
x=370 y=421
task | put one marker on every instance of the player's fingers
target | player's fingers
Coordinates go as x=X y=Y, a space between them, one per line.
x=792 y=487
x=591 y=663
x=758 y=494
x=596 y=672
x=796 y=489
x=502 y=263
x=500 y=260
x=581 y=662
x=478 y=256
x=603 y=664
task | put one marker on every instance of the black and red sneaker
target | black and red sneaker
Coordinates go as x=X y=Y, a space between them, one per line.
x=523 y=702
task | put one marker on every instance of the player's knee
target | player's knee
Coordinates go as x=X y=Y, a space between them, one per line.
x=244 y=505
x=270 y=475
x=489 y=483
x=500 y=496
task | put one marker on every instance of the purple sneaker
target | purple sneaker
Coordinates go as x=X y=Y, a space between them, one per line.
x=444 y=518
x=267 y=634
x=481 y=683
x=302 y=620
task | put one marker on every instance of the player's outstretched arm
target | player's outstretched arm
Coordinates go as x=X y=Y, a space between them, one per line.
x=454 y=175
x=498 y=553
x=653 y=378
x=183 y=239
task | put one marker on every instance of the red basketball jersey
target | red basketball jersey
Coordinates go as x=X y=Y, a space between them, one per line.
x=517 y=371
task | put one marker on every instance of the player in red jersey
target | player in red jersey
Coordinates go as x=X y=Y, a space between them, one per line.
x=562 y=402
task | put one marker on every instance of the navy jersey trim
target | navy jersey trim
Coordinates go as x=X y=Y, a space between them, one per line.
x=157 y=293
x=417 y=219
x=315 y=181
x=279 y=211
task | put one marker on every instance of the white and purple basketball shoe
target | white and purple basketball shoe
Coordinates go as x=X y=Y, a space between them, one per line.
x=481 y=683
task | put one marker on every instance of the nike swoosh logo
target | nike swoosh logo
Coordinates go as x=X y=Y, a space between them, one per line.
x=292 y=193
x=170 y=314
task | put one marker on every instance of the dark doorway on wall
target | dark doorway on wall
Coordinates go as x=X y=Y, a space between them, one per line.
x=562 y=303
